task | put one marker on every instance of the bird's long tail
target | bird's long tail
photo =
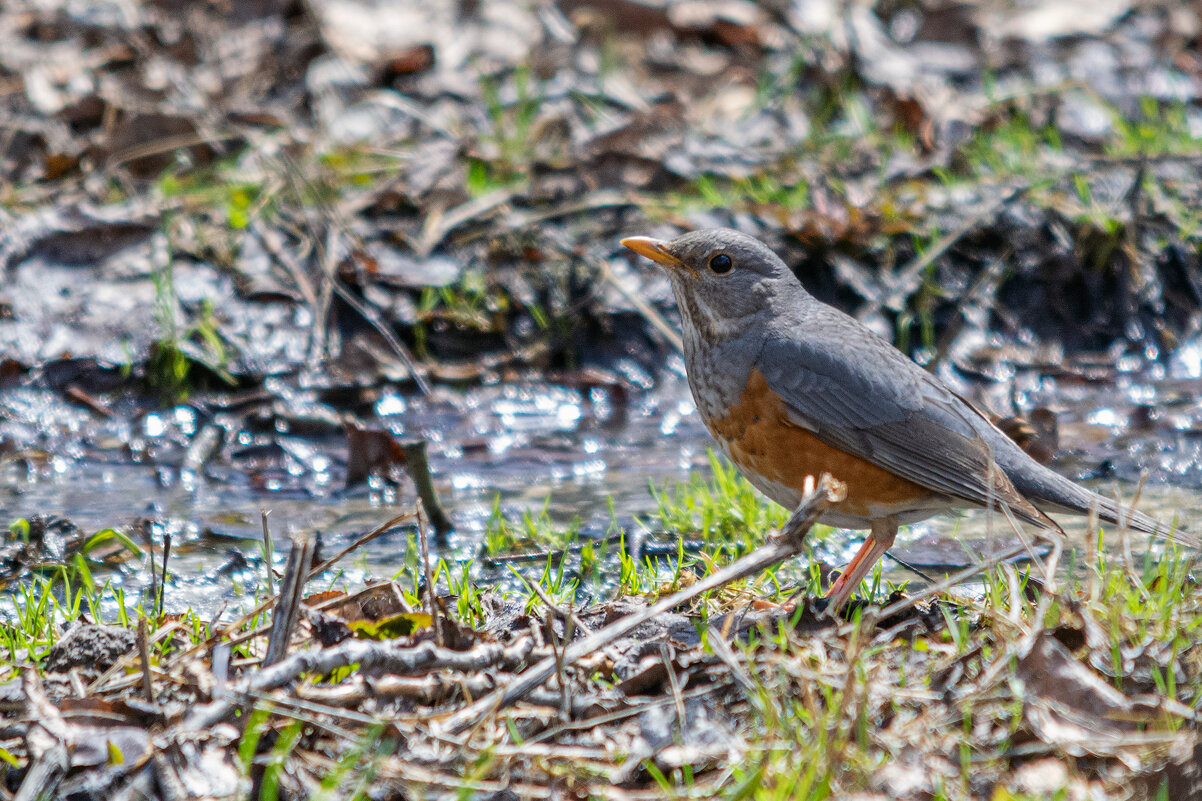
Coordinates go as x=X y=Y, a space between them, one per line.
x=1052 y=492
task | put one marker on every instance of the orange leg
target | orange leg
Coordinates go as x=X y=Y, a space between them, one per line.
x=879 y=540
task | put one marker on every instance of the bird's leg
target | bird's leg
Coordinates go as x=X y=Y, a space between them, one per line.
x=880 y=539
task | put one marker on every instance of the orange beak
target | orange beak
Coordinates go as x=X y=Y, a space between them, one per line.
x=654 y=249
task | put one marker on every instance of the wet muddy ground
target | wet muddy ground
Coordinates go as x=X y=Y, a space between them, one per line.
x=589 y=462
x=317 y=258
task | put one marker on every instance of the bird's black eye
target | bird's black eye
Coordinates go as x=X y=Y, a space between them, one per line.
x=721 y=264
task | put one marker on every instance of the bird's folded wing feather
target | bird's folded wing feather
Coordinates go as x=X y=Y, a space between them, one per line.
x=856 y=392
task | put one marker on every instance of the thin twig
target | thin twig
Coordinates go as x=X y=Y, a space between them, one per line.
x=154 y=573
x=390 y=657
x=417 y=465
x=292 y=592
x=561 y=673
x=440 y=223
x=817 y=499
x=144 y=656
x=103 y=682
x=951 y=581
x=267 y=552
x=366 y=538
x=649 y=312
x=168 y=144
x=233 y=626
x=163 y=577
x=567 y=616
x=49 y=737
x=674 y=684
x=634 y=710
x=385 y=330
x=721 y=648
x=431 y=597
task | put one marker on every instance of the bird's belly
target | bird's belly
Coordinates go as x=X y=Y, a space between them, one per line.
x=776 y=456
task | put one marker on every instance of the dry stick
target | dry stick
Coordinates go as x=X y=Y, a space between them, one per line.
x=644 y=308
x=384 y=330
x=76 y=681
x=333 y=719
x=120 y=667
x=283 y=255
x=1093 y=537
x=267 y=551
x=817 y=499
x=440 y=223
x=429 y=690
x=154 y=573
x=389 y=657
x=569 y=631
x=292 y=592
x=721 y=648
x=431 y=598
x=854 y=647
x=570 y=623
x=317 y=571
x=1027 y=544
x=44 y=775
x=1053 y=561
x=597 y=199
x=166 y=144
x=323 y=252
x=368 y=537
x=331 y=284
x=911 y=567
x=163 y=576
x=417 y=465
x=49 y=736
x=144 y=657
x=674 y=684
x=949 y=582
x=1134 y=196
x=568 y=616
x=634 y=710
x=1125 y=537
x=561 y=676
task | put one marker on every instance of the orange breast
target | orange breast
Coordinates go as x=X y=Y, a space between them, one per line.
x=763 y=442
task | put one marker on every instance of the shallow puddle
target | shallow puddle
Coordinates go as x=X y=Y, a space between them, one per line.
x=582 y=454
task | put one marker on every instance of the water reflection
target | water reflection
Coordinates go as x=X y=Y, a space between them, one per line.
x=589 y=449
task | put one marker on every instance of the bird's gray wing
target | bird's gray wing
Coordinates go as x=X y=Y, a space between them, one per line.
x=856 y=392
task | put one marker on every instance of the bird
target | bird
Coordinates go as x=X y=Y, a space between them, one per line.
x=790 y=387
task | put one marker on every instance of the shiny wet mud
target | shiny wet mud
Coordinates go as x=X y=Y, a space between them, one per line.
x=581 y=462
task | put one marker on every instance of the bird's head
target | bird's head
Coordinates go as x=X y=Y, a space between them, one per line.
x=721 y=277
